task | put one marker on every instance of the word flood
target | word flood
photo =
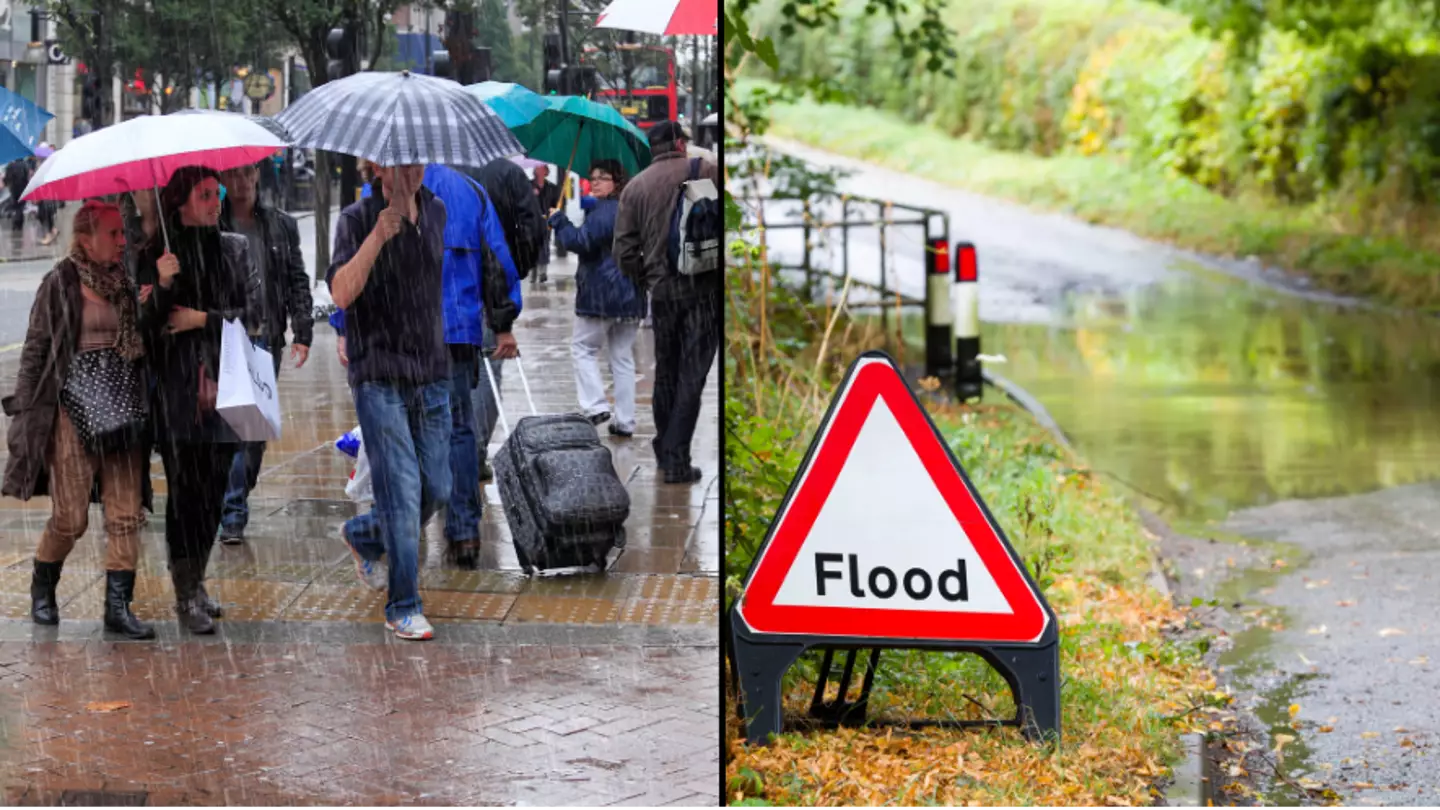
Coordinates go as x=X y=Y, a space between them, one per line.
x=917 y=582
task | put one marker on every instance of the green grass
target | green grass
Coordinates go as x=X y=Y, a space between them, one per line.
x=1146 y=201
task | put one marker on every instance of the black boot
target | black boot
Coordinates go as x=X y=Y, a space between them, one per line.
x=187 y=577
x=212 y=608
x=119 y=593
x=44 y=608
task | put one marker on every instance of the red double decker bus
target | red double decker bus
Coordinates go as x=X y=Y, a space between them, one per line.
x=638 y=80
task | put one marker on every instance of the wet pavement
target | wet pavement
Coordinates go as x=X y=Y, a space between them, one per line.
x=1228 y=401
x=590 y=689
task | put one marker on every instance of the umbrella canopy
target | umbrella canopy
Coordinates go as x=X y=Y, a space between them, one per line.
x=515 y=104
x=668 y=17
x=577 y=132
x=397 y=119
x=23 y=123
x=44 y=150
x=270 y=124
x=143 y=152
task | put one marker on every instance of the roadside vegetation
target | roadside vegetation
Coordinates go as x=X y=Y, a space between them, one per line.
x=1301 y=134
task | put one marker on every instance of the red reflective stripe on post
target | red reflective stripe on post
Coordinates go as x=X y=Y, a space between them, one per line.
x=939 y=257
x=967 y=266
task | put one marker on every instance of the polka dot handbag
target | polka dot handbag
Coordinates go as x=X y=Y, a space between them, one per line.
x=105 y=399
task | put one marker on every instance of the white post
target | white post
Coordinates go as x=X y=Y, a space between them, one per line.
x=117 y=96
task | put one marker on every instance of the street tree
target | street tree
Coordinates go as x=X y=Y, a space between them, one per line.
x=307 y=24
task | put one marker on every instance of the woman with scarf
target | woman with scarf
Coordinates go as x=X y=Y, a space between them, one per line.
x=205 y=278
x=84 y=334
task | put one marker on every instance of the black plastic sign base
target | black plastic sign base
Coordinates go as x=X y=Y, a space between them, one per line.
x=760 y=663
x=807 y=589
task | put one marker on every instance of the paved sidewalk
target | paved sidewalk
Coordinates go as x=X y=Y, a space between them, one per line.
x=553 y=690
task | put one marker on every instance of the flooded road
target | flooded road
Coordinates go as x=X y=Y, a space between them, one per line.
x=1209 y=395
x=1291 y=437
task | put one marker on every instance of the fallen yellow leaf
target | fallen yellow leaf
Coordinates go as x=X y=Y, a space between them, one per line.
x=1362 y=785
x=1345 y=603
x=1325 y=729
x=1401 y=730
x=107 y=705
x=1369 y=735
x=1392 y=631
x=1294 y=709
x=1316 y=631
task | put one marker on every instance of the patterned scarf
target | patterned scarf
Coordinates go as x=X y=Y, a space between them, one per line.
x=111 y=283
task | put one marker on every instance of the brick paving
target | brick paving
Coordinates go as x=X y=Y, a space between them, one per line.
x=589 y=690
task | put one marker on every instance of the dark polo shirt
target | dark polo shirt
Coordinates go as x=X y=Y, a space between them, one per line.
x=395 y=328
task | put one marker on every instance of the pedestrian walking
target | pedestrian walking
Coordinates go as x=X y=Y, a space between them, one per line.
x=274 y=240
x=83 y=347
x=523 y=222
x=387 y=274
x=142 y=224
x=482 y=293
x=547 y=194
x=608 y=305
x=686 y=310
x=204 y=279
x=17 y=176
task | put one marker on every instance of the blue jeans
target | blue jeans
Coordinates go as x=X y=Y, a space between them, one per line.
x=245 y=469
x=462 y=523
x=407 y=439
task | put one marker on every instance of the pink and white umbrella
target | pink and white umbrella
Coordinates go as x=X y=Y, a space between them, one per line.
x=667 y=17
x=143 y=152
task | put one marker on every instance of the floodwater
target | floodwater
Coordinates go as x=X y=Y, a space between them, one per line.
x=1207 y=394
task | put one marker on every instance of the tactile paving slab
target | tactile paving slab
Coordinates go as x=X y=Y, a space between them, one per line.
x=565 y=610
x=337 y=603
x=490 y=607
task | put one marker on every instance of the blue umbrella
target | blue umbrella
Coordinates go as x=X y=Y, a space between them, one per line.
x=515 y=104
x=21 y=124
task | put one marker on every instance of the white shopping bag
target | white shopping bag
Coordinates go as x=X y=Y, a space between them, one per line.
x=359 y=489
x=247 y=398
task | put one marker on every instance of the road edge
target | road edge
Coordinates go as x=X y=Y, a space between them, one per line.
x=1189 y=778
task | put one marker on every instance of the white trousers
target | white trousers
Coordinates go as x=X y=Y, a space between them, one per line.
x=590 y=334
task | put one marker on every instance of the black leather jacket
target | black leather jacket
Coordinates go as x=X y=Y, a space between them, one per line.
x=286 y=287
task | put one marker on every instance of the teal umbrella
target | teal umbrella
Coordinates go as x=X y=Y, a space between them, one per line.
x=515 y=104
x=577 y=132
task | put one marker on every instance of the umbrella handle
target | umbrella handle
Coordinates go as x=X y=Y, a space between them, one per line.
x=565 y=187
x=159 y=209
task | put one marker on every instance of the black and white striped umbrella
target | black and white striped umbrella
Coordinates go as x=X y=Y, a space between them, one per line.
x=397 y=119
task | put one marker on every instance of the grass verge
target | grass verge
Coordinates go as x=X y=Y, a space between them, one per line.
x=1144 y=200
x=1128 y=691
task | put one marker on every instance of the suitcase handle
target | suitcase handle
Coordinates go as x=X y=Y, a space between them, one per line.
x=495 y=391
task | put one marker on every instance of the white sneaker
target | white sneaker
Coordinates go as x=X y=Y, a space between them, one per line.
x=411 y=628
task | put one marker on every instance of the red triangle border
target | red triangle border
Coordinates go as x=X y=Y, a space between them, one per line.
x=872 y=379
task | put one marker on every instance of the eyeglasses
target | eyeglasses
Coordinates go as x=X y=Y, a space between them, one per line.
x=601 y=178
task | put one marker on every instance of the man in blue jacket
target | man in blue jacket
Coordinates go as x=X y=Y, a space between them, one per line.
x=481 y=289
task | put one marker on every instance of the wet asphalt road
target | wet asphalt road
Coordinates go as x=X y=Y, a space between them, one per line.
x=1362 y=567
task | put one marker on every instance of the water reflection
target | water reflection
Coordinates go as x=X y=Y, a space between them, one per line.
x=1209 y=395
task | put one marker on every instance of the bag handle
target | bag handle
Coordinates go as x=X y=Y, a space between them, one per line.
x=495 y=390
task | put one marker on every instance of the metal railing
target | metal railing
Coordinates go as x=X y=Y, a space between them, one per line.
x=886 y=219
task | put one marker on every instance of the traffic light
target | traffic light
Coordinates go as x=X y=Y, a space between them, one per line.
x=341 y=48
x=440 y=64
x=480 y=65
x=92 y=106
x=577 y=80
x=552 y=82
x=553 y=57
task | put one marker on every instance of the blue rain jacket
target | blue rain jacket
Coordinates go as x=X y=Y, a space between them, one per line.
x=601 y=290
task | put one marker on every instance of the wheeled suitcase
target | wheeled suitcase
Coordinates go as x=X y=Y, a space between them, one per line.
x=565 y=504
